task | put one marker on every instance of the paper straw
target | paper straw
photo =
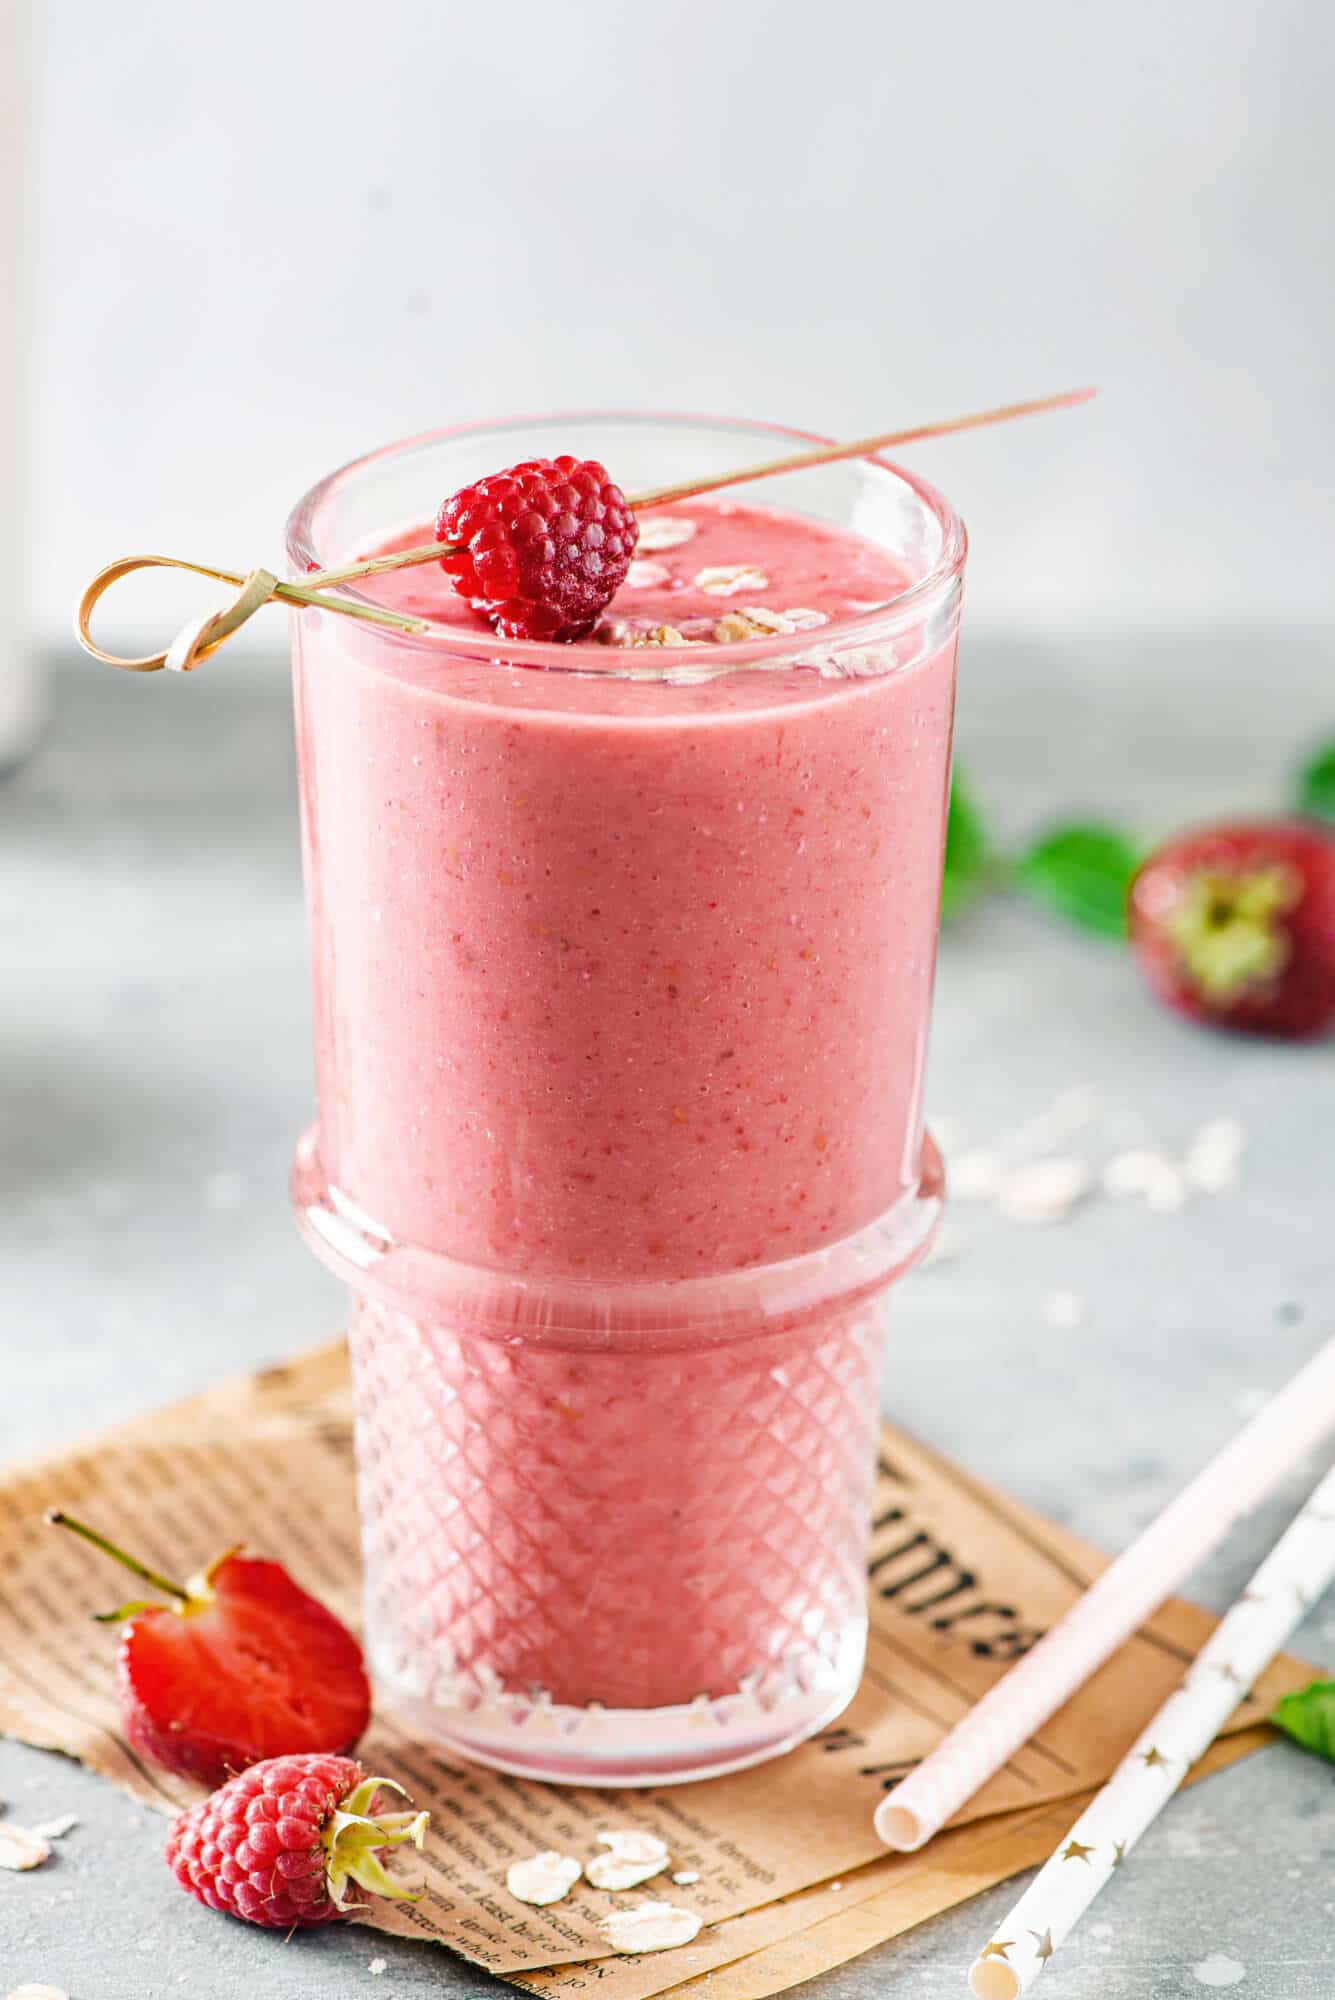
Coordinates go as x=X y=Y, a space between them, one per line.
x=1286 y=1585
x=1115 y=1606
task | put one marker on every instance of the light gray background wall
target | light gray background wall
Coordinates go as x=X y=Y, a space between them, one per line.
x=271 y=235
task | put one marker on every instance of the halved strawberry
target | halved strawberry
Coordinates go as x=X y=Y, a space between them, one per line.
x=242 y=1665
x=1235 y=925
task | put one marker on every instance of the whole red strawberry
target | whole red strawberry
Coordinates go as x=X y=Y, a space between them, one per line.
x=279 y=1844
x=243 y=1664
x=539 y=549
x=1235 y=925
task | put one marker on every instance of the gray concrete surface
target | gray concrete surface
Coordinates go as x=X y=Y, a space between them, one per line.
x=154 y=1070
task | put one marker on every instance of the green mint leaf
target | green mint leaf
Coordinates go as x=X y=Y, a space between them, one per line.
x=1316 y=785
x=1309 y=1718
x=1083 y=872
x=968 y=852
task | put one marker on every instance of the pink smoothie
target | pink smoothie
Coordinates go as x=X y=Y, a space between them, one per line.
x=631 y=978
x=622 y=976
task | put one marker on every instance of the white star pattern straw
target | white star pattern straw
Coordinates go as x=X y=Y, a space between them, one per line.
x=1293 y=1575
x=1116 y=1604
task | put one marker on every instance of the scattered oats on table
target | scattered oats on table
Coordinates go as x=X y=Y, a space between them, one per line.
x=1045 y=1191
x=1142 y=1171
x=649 y=1926
x=1214 y=1157
x=611 y=1871
x=632 y=1859
x=543 y=1878
x=21 y=1848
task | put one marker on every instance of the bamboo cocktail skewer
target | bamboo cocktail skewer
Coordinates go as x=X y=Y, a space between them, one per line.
x=260 y=586
x=798 y=461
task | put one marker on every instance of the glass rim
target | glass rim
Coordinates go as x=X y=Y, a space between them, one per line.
x=592 y=657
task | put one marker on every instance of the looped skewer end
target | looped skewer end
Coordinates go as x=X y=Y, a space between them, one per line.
x=202 y=636
x=196 y=640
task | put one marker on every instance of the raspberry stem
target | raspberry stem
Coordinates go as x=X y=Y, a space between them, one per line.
x=353 y=1837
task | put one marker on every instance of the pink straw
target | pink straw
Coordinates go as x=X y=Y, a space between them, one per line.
x=1114 y=1606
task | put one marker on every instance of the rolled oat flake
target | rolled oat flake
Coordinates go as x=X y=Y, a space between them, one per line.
x=543 y=1878
x=650 y=1926
x=21 y=1848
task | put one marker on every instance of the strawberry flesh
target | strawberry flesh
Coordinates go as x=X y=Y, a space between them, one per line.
x=254 y=1668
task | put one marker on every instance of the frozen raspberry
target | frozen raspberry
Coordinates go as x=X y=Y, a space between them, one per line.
x=279 y=1844
x=541 y=549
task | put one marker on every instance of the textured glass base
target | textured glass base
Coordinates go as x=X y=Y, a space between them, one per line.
x=615 y=1534
x=617 y=1566
x=635 y=1746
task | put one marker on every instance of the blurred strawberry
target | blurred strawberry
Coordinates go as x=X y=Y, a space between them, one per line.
x=1235 y=925
x=242 y=1665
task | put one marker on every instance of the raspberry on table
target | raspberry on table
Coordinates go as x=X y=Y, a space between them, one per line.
x=279 y=1844
x=541 y=548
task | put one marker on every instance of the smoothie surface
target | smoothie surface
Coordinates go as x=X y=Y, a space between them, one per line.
x=697 y=563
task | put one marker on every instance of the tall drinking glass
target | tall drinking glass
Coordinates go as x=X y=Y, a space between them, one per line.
x=622 y=971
